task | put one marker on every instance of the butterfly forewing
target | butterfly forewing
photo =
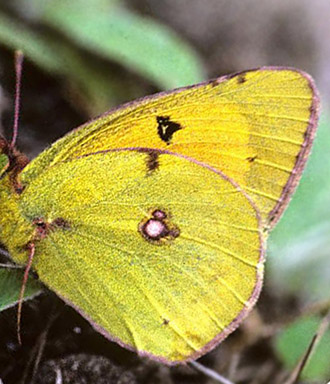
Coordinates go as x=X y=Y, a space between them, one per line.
x=256 y=127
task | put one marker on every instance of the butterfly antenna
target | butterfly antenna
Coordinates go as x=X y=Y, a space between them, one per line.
x=31 y=248
x=18 y=69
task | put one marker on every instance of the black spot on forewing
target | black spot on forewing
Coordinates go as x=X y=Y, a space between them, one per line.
x=216 y=82
x=241 y=79
x=313 y=108
x=152 y=161
x=165 y=321
x=166 y=128
x=251 y=158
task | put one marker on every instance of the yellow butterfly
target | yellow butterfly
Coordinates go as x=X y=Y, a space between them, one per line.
x=151 y=220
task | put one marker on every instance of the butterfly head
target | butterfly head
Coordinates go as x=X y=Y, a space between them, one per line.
x=12 y=162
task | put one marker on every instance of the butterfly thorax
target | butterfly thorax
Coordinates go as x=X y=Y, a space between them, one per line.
x=15 y=230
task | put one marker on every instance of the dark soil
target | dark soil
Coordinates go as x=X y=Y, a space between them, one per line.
x=58 y=342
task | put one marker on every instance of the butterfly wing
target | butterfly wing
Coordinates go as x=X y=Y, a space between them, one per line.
x=256 y=127
x=168 y=247
x=162 y=254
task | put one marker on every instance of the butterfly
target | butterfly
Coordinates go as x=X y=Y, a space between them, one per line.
x=152 y=219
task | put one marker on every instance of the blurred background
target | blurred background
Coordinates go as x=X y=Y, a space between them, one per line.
x=84 y=57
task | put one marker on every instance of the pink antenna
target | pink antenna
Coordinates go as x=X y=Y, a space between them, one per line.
x=18 y=68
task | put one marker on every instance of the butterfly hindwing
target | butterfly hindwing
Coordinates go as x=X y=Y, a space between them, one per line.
x=171 y=294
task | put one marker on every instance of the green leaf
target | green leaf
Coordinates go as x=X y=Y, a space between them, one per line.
x=299 y=247
x=10 y=286
x=311 y=202
x=102 y=27
x=97 y=91
x=293 y=342
x=16 y=36
x=141 y=44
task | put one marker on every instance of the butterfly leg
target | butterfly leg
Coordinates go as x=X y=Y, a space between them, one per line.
x=31 y=249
